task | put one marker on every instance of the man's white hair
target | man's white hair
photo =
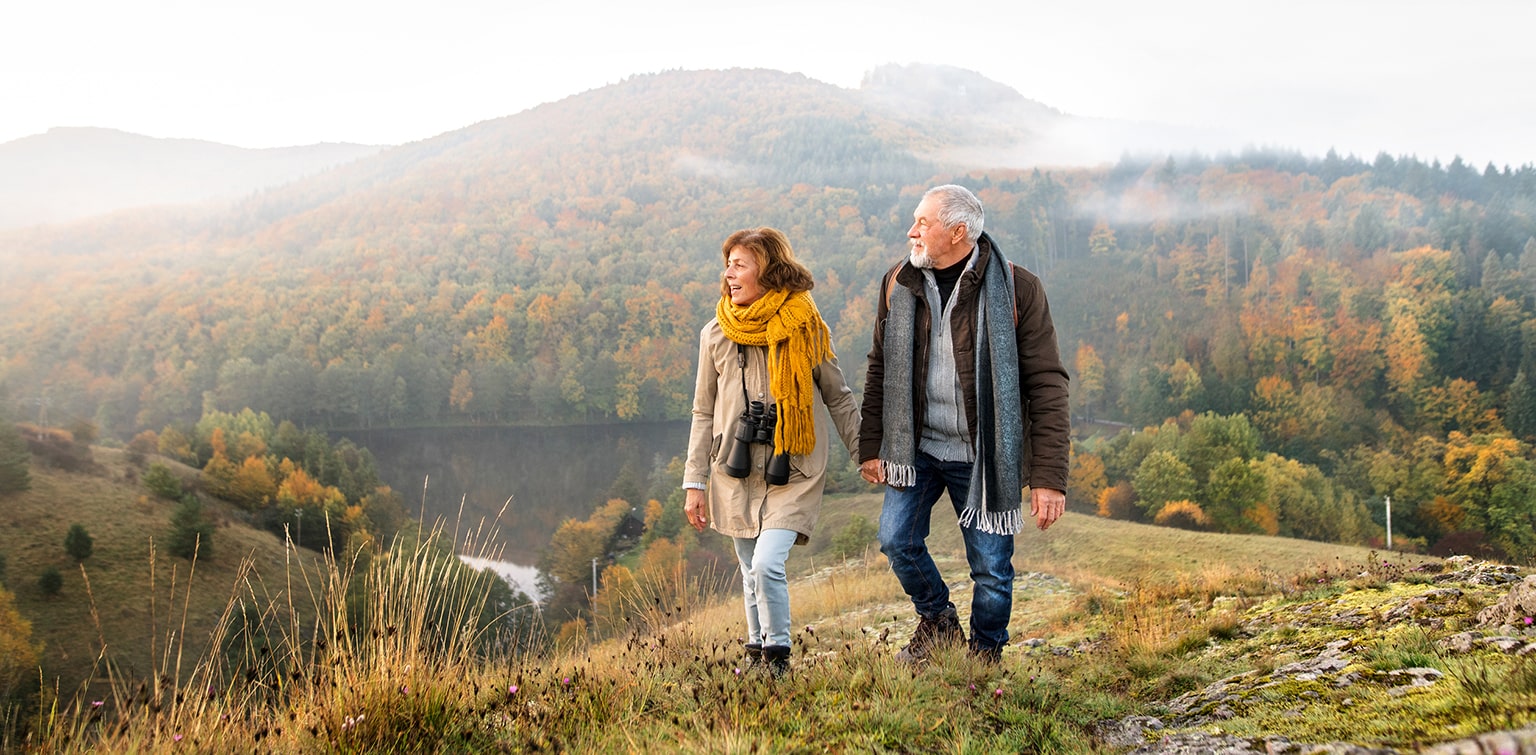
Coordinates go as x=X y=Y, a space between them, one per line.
x=958 y=205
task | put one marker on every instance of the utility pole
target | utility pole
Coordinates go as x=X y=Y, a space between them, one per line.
x=594 y=576
x=1389 y=522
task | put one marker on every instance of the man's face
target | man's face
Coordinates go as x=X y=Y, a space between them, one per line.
x=933 y=245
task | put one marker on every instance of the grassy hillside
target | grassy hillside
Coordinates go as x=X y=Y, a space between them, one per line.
x=123 y=605
x=1123 y=635
x=1092 y=550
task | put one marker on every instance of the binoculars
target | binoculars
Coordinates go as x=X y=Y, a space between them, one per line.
x=756 y=426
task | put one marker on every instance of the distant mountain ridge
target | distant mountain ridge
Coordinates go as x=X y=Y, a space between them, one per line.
x=68 y=174
x=482 y=273
x=71 y=173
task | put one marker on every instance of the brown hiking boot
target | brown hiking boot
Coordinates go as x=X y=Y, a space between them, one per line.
x=932 y=633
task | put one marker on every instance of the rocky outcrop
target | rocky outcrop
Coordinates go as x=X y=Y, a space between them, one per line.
x=1326 y=675
x=1516 y=609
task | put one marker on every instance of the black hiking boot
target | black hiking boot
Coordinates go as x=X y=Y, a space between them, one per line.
x=754 y=654
x=933 y=632
x=777 y=658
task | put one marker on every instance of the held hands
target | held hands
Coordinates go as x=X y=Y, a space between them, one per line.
x=695 y=508
x=873 y=472
x=1046 y=506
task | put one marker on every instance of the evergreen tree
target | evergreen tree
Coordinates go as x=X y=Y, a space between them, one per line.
x=50 y=581
x=78 y=543
x=14 y=459
x=1520 y=407
x=191 y=534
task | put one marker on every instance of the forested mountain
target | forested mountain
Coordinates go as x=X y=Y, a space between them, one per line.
x=1344 y=329
x=71 y=173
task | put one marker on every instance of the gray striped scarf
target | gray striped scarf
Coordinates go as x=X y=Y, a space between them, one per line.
x=995 y=502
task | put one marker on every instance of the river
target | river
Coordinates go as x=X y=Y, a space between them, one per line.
x=540 y=476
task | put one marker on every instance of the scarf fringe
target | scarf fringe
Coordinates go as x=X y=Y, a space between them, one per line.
x=993 y=522
x=899 y=475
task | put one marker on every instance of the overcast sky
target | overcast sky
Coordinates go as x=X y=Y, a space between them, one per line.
x=1432 y=79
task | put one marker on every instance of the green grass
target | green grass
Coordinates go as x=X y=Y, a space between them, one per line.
x=124 y=609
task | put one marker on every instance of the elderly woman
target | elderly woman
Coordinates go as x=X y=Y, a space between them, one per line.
x=765 y=368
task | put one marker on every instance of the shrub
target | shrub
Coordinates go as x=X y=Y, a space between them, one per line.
x=57 y=448
x=853 y=538
x=50 y=581
x=191 y=534
x=142 y=445
x=78 y=543
x=161 y=481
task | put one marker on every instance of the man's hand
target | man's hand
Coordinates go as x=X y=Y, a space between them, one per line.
x=873 y=472
x=695 y=508
x=1046 y=506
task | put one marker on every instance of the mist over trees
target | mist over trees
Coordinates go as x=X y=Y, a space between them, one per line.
x=1294 y=338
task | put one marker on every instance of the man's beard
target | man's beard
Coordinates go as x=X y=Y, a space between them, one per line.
x=919 y=259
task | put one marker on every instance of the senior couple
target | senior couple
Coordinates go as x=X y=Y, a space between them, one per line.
x=965 y=392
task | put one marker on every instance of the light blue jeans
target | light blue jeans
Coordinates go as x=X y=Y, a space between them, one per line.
x=764 y=589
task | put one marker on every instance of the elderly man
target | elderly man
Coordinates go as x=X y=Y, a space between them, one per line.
x=965 y=393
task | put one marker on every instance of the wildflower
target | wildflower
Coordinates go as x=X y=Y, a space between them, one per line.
x=176 y=738
x=997 y=692
x=1527 y=623
x=512 y=689
x=737 y=671
x=566 y=680
x=99 y=703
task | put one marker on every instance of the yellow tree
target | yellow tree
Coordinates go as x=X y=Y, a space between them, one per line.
x=252 y=485
x=18 y=655
x=612 y=603
x=1086 y=481
x=1089 y=386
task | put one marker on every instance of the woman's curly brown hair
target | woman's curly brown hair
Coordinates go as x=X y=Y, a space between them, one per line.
x=780 y=271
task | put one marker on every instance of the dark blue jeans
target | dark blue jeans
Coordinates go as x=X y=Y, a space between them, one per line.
x=903 y=539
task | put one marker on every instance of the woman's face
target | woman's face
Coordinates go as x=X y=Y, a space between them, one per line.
x=741 y=272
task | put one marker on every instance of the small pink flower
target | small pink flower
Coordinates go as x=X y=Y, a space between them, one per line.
x=99 y=703
x=997 y=692
x=512 y=689
x=177 y=738
x=737 y=671
x=566 y=680
x=1527 y=623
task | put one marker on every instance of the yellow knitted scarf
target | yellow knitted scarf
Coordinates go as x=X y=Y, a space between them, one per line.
x=797 y=340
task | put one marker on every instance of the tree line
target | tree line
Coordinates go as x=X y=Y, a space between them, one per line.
x=1345 y=307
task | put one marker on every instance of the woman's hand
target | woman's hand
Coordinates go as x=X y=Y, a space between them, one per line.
x=695 y=508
